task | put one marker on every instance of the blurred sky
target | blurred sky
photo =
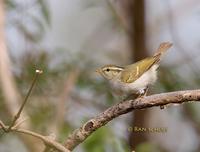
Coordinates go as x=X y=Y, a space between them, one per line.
x=74 y=24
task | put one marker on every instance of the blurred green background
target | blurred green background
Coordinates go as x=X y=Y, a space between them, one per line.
x=68 y=40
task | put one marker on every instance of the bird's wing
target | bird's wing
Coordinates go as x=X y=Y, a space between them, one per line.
x=134 y=71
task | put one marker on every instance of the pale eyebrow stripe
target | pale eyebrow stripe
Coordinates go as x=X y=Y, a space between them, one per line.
x=113 y=68
x=116 y=68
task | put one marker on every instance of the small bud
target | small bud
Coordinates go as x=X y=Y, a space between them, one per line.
x=39 y=71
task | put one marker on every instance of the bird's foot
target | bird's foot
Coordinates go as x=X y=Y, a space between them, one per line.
x=139 y=94
x=143 y=92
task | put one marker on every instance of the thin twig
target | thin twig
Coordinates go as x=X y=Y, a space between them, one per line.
x=81 y=134
x=48 y=141
x=16 y=117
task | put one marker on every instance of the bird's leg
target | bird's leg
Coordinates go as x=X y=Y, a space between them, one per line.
x=140 y=94
x=143 y=92
x=146 y=91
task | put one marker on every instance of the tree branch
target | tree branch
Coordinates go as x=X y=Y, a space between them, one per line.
x=47 y=140
x=178 y=97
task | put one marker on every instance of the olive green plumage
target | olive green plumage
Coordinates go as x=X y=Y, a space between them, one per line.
x=134 y=71
x=134 y=78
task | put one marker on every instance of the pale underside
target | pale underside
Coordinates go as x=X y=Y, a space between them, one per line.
x=123 y=89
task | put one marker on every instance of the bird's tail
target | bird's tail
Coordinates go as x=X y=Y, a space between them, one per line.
x=162 y=49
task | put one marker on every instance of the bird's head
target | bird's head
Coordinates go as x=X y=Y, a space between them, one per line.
x=110 y=71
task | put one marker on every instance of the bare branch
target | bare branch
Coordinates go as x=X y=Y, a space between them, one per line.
x=178 y=97
x=48 y=141
x=16 y=117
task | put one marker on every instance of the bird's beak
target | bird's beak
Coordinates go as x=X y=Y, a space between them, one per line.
x=98 y=70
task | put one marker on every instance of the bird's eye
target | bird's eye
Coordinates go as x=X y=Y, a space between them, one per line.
x=107 y=70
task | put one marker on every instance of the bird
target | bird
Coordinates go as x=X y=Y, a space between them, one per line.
x=134 y=79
